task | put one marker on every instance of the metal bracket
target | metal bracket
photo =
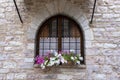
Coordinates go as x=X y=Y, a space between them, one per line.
x=22 y=20
x=18 y=11
x=93 y=12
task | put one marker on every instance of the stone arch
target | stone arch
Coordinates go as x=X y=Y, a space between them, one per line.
x=71 y=10
x=82 y=20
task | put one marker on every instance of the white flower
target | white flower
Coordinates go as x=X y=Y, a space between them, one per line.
x=73 y=51
x=51 y=51
x=81 y=58
x=72 y=58
x=52 y=58
x=65 y=61
x=45 y=62
x=75 y=57
x=55 y=53
x=57 y=62
x=51 y=63
x=62 y=60
x=42 y=66
x=59 y=55
x=78 y=62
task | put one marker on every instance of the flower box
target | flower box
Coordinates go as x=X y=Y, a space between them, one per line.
x=54 y=59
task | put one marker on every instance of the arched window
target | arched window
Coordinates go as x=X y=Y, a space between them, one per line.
x=60 y=33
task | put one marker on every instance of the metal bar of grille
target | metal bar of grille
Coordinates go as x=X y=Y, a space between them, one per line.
x=43 y=47
x=50 y=33
x=93 y=12
x=76 y=42
x=18 y=11
x=63 y=33
x=76 y=45
x=64 y=41
x=69 y=33
x=57 y=34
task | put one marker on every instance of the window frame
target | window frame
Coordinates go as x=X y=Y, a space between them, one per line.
x=82 y=41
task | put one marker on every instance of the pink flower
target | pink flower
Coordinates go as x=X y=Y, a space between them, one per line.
x=39 y=60
x=66 y=52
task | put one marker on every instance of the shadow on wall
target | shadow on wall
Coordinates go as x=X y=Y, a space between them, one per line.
x=36 y=5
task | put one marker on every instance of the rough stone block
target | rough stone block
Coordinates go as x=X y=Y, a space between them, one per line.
x=116 y=34
x=15 y=43
x=107 y=69
x=26 y=65
x=93 y=68
x=51 y=8
x=10 y=76
x=89 y=35
x=19 y=32
x=2 y=44
x=64 y=77
x=28 y=60
x=80 y=75
x=112 y=60
x=4 y=56
x=95 y=60
x=112 y=52
x=30 y=46
x=88 y=44
x=110 y=15
x=3 y=71
x=93 y=51
x=20 y=75
x=8 y=48
x=99 y=77
x=110 y=45
x=49 y=76
x=9 y=64
x=2 y=76
x=9 y=37
x=2 y=15
x=61 y=5
x=2 y=10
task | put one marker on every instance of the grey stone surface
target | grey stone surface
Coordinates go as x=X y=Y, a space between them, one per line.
x=102 y=38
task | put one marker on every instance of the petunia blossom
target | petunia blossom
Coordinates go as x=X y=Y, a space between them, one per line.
x=39 y=60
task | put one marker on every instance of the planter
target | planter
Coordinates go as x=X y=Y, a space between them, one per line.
x=69 y=63
x=58 y=59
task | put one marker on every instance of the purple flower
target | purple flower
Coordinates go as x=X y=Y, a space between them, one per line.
x=39 y=60
x=66 y=52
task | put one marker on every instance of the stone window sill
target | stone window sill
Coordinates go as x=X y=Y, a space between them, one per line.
x=66 y=66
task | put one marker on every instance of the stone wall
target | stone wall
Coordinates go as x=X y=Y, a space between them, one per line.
x=102 y=39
